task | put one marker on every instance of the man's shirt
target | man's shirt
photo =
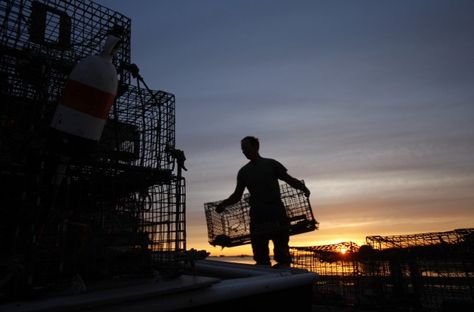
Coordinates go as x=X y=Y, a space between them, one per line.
x=260 y=177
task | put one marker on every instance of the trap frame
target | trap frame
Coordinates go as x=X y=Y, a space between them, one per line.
x=232 y=227
x=120 y=210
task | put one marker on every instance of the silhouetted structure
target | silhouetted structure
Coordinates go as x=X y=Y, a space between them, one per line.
x=120 y=209
x=425 y=272
x=231 y=228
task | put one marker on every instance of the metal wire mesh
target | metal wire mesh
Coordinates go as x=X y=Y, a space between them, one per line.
x=232 y=227
x=61 y=31
x=120 y=209
x=420 y=239
x=425 y=271
x=40 y=42
x=437 y=267
x=140 y=130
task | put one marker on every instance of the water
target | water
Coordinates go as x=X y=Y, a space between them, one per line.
x=234 y=259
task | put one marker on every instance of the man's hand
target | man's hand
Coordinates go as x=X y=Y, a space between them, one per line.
x=220 y=208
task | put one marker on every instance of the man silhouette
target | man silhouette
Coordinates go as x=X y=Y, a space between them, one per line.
x=268 y=219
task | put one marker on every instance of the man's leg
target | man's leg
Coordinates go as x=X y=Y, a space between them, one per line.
x=281 y=249
x=261 y=253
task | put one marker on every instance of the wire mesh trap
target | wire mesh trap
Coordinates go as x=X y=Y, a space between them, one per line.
x=232 y=227
x=413 y=272
x=120 y=207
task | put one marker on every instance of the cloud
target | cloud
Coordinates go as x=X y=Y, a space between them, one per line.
x=371 y=103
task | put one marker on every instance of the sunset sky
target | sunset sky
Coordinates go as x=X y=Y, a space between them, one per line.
x=370 y=102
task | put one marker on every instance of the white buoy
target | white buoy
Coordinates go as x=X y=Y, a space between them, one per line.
x=89 y=94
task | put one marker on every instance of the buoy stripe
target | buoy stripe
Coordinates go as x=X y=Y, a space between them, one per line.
x=74 y=122
x=87 y=99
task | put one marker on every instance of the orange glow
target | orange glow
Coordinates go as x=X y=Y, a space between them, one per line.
x=343 y=250
x=340 y=222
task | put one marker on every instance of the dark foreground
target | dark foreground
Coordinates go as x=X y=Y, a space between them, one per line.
x=210 y=286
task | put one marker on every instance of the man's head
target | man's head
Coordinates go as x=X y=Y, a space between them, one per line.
x=250 y=146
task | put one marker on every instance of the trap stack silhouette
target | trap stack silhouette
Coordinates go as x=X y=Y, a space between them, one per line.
x=422 y=271
x=120 y=208
x=232 y=227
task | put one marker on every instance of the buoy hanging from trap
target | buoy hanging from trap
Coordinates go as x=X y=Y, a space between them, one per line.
x=89 y=94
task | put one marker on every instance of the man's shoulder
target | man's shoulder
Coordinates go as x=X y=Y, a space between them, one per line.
x=275 y=164
x=244 y=167
x=271 y=161
x=261 y=162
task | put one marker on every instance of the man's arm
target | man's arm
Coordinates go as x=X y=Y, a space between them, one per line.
x=232 y=199
x=297 y=184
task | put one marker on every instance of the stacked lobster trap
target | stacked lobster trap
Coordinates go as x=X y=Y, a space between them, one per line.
x=436 y=268
x=232 y=227
x=112 y=210
x=422 y=272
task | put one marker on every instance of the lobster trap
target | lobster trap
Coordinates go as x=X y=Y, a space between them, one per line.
x=140 y=130
x=117 y=209
x=421 y=272
x=232 y=227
